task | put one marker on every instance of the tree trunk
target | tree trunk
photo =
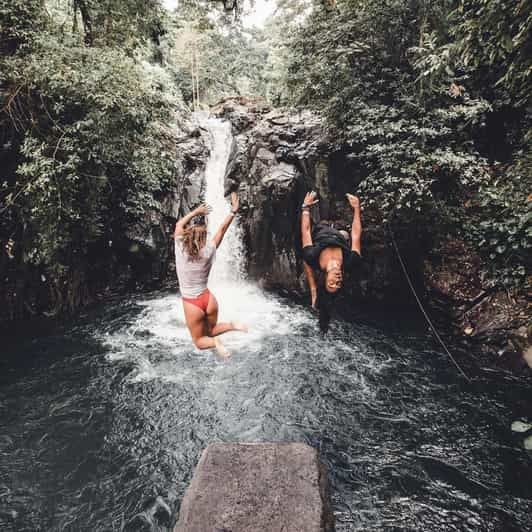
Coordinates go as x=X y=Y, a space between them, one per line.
x=87 y=20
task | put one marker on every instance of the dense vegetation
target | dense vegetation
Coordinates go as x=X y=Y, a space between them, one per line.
x=86 y=139
x=226 y=58
x=429 y=101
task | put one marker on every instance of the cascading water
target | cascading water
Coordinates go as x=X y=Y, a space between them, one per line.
x=102 y=421
x=229 y=259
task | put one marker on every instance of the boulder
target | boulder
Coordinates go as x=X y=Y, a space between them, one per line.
x=257 y=487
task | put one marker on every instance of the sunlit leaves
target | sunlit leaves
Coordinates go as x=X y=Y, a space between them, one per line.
x=18 y=21
x=497 y=34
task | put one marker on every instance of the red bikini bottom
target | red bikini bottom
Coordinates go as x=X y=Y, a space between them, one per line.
x=201 y=301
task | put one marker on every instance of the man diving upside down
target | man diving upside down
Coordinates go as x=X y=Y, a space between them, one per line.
x=328 y=251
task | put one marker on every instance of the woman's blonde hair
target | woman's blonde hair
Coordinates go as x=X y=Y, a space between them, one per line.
x=194 y=240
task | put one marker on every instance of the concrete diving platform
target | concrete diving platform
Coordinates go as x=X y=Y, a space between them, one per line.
x=257 y=487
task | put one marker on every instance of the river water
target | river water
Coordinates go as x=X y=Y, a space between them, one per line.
x=101 y=416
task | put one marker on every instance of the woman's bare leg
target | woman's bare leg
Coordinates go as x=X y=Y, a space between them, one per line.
x=223 y=327
x=197 y=325
x=215 y=328
x=204 y=328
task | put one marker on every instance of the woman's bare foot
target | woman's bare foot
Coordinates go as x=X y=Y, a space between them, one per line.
x=239 y=326
x=221 y=349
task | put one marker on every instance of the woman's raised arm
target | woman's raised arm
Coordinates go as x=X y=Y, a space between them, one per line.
x=218 y=237
x=202 y=210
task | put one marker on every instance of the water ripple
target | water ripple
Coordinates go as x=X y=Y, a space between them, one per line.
x=101 y=420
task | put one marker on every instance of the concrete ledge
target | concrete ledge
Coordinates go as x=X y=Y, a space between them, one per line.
x=257 y=487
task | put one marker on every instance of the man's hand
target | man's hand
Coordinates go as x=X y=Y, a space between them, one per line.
x=310 y=199
x=313 y=298
x=353 y=201
x=235 y=202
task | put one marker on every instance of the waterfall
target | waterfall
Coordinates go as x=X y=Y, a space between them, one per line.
x=163 y=319
x=230 y=255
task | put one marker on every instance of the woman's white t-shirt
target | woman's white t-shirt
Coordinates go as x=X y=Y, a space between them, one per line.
x=193 y=275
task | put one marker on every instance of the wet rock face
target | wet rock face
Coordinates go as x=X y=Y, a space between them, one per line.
x=490 y=317
x=150 y=247
x=275 y=159
x=257 y=486
x=270 y=161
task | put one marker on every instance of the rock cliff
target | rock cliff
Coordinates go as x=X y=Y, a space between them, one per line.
x=275 y=159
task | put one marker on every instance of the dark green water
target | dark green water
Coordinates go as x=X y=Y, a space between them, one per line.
x=99 y=418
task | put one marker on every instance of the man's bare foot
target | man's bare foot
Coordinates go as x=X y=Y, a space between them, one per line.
x=221 y=349
x=239 y=326
x=354 y=201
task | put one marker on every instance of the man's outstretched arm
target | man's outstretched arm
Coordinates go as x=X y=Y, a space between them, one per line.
x=313 y=287
x=306 y=240
x=306 y=235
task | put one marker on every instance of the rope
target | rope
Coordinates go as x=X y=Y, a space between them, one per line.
x=438 y=337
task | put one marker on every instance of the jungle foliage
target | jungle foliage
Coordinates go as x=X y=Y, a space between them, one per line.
x=226 y=57
x=87 y=146
x=91 y=92
x=430 y=100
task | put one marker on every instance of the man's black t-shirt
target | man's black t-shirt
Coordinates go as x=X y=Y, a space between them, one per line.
x=324 y=236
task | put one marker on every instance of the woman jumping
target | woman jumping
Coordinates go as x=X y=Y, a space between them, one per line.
x=194 y=257
x=328 y=251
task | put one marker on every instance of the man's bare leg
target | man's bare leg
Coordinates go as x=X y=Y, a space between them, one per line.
x=356 y=226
